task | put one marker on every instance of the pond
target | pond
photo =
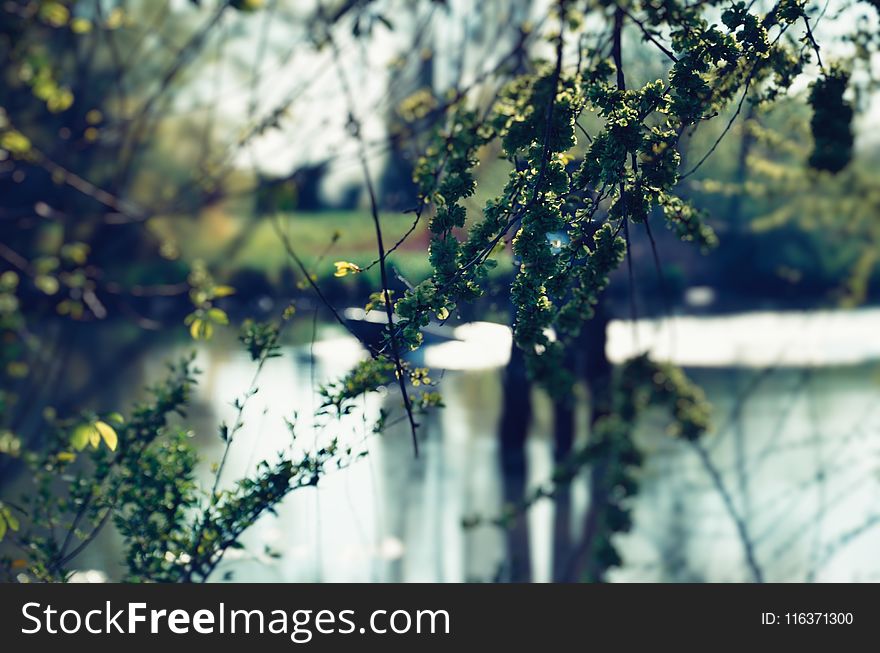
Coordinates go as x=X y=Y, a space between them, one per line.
x=790 y=474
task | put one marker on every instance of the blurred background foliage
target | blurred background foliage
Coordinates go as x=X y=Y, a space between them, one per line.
x=150 y=153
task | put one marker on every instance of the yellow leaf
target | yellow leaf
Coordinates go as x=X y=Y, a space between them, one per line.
x=17 y=369
x=116 y=18
x=15 y=142
x=224 y=291
x=218 y=316
x=107 y=432
x=443 y=313
x=54 y=13
x=66 y=457
x=91 y=434
x=10 y=445
x=344 y=267
x=201 y=329
x=46 y=283
x=80 y=26
x=60 y=100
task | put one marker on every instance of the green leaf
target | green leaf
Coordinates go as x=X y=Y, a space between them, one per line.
x=81 y=436
x=116 y=418
x=8 y=521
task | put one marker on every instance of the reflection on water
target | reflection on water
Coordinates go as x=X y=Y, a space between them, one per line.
x=791 y=339
x=795 y=453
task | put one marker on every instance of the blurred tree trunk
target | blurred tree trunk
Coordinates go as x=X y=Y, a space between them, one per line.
x=742 y=168
x=564 y=433
x=597 y=374
x=397 y=190
x=516 y=416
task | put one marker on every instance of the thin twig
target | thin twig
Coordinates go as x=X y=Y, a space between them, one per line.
x=650 y=37
x=380 y=244
x=285 y=241
x=727 y=128
x=813 y=42
x=741 y=527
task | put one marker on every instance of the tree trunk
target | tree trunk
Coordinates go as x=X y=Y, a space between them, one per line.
x=597 y=375
x=564 y=434
x=516 y=416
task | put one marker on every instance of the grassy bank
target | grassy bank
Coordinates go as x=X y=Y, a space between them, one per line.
x=319 y=238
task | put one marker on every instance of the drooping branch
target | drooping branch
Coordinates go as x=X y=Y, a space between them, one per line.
x=357 y=133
